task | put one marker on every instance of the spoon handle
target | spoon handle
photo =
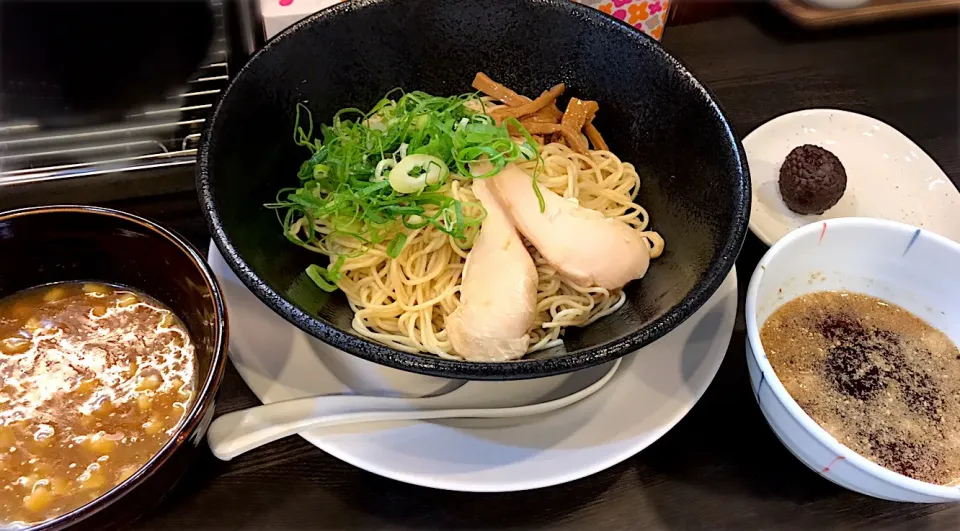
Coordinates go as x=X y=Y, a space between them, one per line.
x=241 y=431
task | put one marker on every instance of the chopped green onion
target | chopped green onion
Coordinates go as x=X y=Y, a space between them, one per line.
x=320 y=171
x=529 y=152
x=396 y=245
x=414 y=172
x=371 y=176
x=383 y=166
x=319 y=277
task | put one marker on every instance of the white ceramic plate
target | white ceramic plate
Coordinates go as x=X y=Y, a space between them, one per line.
x=888 y=176
x=653 y=389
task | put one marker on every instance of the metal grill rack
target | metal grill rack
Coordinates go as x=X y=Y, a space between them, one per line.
x=152 y=141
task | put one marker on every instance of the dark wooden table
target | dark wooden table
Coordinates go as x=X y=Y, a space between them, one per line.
x=721 y=467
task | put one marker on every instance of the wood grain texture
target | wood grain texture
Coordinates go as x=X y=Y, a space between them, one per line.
x=721 y=467
x=811 y=16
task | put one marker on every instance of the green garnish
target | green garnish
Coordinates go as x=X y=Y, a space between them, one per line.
x=396 y=245
x=373 y=175
x=325 y=278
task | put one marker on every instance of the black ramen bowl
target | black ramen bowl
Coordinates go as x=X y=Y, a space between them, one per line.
x=70 y=243
x=653 y=113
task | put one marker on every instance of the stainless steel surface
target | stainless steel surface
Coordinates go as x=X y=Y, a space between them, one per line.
x=248 y=31
x=156 y=143
x=164 y=134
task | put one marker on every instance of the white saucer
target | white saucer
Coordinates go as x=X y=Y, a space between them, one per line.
x=888 y=176
x=650 y=393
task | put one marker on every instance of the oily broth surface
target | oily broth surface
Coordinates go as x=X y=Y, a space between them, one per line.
x=95 y=379
x=878 y=378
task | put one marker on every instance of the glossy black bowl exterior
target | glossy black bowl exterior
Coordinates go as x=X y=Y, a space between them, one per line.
x=69 y=243
x=653 y=113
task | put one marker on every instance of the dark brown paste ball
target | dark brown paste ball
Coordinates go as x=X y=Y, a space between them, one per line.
x=812 y=180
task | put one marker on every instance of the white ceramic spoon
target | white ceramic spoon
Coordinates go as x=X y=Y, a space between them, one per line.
x=241 y=431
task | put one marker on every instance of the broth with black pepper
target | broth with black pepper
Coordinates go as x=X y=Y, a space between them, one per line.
x=879 y=379
x=95 y=381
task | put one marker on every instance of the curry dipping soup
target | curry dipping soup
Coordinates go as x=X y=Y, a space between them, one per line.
x=95 y=381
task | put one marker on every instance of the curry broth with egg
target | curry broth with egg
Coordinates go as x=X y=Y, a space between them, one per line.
x=94 y=381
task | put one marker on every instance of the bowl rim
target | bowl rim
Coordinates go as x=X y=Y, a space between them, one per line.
x=768 y=375
x=202 y=407
x=434 y=365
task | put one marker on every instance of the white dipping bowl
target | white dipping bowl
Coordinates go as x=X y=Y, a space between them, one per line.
x=913 y=268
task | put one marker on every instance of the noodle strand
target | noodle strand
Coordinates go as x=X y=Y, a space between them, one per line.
x=404 y=302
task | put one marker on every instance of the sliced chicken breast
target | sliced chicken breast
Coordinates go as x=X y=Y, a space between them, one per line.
x=582 y=244
x=498 y=295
